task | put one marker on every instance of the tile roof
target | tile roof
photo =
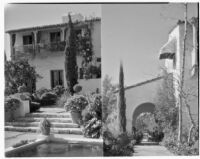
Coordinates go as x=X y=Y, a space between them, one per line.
x=51 y=26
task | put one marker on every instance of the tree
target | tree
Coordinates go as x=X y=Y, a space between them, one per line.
x=122 y=102
x=109 y=98
x=71 y=72
x=166 y=112
x=18 y=73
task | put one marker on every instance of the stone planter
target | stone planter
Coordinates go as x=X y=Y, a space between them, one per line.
x=76 y=117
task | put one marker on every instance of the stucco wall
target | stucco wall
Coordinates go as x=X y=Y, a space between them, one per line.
x=135 y=96
x=96 y=38
x=190 y=82
x=45 y=61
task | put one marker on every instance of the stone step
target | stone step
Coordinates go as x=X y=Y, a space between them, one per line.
x=76 y=131
x=36 y=124
x=38 y=119
x=49 y=115
x=148 y=143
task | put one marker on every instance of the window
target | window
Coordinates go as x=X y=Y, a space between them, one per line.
x=56 y=78
x=78 y=33
x=80 y=73
x=27 y=39
x=98 y=59
x=55 y=37
x=174 y=62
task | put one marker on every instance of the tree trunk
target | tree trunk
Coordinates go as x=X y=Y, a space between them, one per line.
x=182 y=80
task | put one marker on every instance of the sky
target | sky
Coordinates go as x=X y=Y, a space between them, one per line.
x=134 y=33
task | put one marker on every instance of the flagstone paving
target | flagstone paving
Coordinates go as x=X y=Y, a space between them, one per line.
x=151 y=150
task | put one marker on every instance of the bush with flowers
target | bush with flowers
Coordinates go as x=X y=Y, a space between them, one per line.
x=76 y=103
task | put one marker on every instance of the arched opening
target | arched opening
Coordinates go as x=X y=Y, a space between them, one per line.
x=142 y=108
x=144 y=124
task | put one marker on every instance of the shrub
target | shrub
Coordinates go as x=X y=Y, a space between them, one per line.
x=34 y=106
x=138 y=135
x=63 y=99
x=58 y=90
x=41 y=91
x=156 y=135
x=117 y=146
x=92 y=117
x=11 y=104
x=22 y=88
x=48 y=98
x=76 y=103
x=17 y=73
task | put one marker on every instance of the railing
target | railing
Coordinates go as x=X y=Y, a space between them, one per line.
x=55 y=46
x=32 y=50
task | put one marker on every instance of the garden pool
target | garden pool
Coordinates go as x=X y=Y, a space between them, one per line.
x=57 y=149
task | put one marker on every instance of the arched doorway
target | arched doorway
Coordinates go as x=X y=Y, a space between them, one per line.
x=142 y=108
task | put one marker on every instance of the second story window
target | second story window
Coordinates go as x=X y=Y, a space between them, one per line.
x=55 y=37
x=27 y=39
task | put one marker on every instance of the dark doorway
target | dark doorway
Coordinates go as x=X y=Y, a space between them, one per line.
x=56 y=78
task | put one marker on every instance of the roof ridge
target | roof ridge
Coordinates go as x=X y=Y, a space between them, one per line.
x=51 y=25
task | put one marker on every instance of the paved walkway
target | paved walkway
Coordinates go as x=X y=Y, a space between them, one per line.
x=151 y=150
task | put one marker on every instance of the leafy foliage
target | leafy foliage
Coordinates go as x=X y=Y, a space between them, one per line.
x=63 y=99
x=48 y=98
x=18 y=73
x=58 y=90
x=109 y=98
x=11 y=104
x=76 y=103
x=120 y=146
x=92 y=117
x=167 y=118
x=166 y=112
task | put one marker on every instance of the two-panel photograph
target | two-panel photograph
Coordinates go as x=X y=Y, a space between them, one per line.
x=101 y=79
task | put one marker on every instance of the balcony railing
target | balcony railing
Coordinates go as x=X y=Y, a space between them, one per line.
x=31 y=49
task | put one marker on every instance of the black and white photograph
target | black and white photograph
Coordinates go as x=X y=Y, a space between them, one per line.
x=100 y=79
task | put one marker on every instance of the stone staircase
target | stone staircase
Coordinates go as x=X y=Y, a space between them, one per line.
x=61 y=123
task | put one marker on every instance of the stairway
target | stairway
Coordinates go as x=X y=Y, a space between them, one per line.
x=61 y=123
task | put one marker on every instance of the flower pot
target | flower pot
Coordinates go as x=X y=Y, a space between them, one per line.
x=46 y=131
x=76 y=117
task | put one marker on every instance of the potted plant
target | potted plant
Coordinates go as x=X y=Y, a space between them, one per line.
x=75 y=104
x=45 y=126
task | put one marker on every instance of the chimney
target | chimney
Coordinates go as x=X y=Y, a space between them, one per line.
x=75 y=18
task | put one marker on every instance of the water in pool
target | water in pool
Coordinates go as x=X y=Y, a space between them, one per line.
x=64 y=150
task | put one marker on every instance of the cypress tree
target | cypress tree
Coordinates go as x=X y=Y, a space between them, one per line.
x=71 y=72
x=121 y=101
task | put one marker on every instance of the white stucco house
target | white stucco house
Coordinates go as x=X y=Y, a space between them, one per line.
x=44 y=46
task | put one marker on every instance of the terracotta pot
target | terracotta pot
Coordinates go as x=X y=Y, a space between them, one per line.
x=76 y=117
x=46 y=130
